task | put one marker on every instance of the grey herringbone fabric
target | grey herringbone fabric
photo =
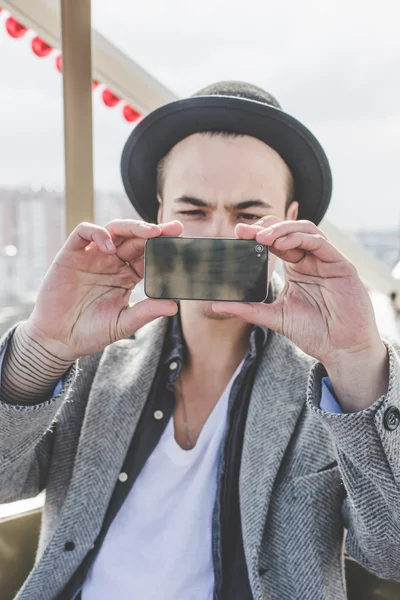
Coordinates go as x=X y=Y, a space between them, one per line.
x=293 y=508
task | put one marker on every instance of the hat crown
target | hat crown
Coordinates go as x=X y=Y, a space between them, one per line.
x=239 y=89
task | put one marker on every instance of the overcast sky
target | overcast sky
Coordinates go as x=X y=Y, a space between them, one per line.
x=333 y=65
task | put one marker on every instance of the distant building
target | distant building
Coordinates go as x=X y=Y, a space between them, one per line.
x=33 y=221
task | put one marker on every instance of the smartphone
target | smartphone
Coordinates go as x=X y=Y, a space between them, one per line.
x=185 y=268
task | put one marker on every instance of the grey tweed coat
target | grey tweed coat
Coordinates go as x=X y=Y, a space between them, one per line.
x=294 y=504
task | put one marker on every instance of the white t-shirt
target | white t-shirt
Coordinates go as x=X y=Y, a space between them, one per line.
x=159 y=543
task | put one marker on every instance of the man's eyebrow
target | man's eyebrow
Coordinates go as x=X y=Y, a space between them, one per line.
x=237 y=206
x=250 y=204
x=193 y=201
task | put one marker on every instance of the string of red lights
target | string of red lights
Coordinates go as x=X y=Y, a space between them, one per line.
x=40 y=48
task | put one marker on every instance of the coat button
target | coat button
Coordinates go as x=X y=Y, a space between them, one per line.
x=69 y=546
x=173 y=366
x=122 y=477
x=158 y=414
x=391 y=418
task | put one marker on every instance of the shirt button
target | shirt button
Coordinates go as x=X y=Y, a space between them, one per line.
x=391 y=418
x=173 y=365
x=69 y=546
x=122 y=477
x=158 y=414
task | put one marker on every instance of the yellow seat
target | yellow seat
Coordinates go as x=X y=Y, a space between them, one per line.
x=18 y=542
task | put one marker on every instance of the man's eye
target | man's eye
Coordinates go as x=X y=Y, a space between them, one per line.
x=247 y=217
x=192 y=213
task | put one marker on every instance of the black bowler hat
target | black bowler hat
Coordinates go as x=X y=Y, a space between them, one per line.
x=231 y=106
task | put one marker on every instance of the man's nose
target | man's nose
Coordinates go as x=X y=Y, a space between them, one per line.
x=219 y=227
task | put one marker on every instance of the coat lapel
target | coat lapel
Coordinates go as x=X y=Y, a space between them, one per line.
x=277 y=399
x=118 y=394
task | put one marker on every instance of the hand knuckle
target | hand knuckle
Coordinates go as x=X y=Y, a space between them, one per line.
x=352 y=269
x=112 y=223
x=84 y=225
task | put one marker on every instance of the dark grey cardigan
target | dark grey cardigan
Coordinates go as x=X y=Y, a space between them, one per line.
x=293 y=508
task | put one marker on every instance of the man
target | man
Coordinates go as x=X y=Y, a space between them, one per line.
x=219 y=452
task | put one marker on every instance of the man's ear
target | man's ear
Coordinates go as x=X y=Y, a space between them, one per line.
x=160 y=210
x=292 y=212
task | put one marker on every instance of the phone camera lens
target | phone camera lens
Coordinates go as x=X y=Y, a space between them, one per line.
x=259 y=248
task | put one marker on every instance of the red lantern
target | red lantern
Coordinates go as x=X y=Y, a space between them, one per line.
x=109 y=98
x=59 y=63
x=94 y=84
x=40 y=48
x=14 y=28
x=130 y=114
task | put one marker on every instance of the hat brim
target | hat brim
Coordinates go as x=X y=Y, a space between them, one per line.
x=159 y=131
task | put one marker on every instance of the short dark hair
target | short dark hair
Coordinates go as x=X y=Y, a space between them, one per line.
x=228 y=134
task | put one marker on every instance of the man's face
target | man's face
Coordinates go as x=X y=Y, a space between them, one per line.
x=212 y=183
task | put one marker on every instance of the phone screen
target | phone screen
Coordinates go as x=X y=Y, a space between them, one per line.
x=183 y=268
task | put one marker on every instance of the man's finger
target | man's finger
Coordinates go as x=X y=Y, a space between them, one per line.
x=268 y=235
x=121 y=229
x=291 y=256
x=258 y=313
x=133 y=248
x=171 y=228
x=315 y=244
x=249 y=232
x=86 y=233
x=145 y=311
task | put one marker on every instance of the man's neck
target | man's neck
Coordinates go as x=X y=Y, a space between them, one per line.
x=214 y=346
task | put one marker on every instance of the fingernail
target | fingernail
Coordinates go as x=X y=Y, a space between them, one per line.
x=220 y=310
x=268 y=231
x=216 y=308
x=110 y=245
x=260 y=222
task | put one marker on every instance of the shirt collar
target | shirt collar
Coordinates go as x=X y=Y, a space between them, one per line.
x=175 y=345
x=174 y=350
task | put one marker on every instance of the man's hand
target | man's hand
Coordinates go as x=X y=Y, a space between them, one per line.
x=324 y=309
x=83 y=301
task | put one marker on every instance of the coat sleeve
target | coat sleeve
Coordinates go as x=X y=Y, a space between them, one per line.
x=26 y=438
x=367 y=445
